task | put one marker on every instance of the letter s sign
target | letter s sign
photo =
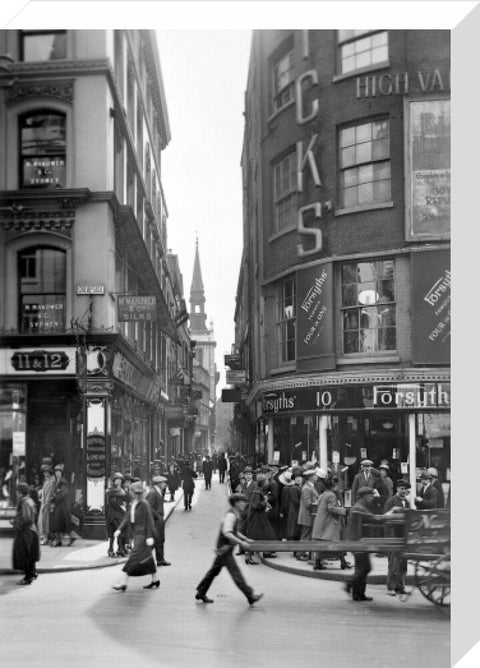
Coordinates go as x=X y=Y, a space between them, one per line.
x=302 y=229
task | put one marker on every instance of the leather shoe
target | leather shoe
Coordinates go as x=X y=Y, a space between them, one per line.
x=154 y=584
x=120 y=587
x=362 y=598
x=203 y=598
x=163 y=563
x=255 y=598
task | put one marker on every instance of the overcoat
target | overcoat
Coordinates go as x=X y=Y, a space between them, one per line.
x=290 y=503
x=61 y=511
x=328 y=521
x=308 y=504
x=257 y=525
x=155 y=499
x=188 y=479
x=26 y=546
x=140 y=561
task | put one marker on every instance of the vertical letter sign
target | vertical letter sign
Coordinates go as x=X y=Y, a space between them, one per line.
x=314 y=318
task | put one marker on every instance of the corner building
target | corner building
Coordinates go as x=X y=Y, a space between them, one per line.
x=92 y=327
x=343 y=302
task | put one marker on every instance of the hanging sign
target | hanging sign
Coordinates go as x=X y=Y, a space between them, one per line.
x=136 y=308
x=315 y=318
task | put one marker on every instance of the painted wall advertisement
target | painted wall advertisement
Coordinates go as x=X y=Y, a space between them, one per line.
x=315 y=317
x=431 y=281
x=428 y=169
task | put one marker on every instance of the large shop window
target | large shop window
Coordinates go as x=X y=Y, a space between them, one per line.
x=283 y=80
x=42 y=150
x=287 y=321
x=368 y=306
x=285 y=192
x=358 y=49
x=42 y=273
x=365 y=164
x=37 y=45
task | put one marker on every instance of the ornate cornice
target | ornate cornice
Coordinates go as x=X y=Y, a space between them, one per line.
x=61 y=89
x=357 y=377
x=64 y=67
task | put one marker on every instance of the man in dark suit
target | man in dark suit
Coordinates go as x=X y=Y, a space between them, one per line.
x=397 y=564
x=428 y=498
x=207 y=472
x=364 y=478
x=155 y=499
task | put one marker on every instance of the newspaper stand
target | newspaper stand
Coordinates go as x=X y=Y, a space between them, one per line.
x=424 y=539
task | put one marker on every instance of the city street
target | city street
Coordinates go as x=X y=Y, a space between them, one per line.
x=76 y=618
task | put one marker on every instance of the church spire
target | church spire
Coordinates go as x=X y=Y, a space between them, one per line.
x=198 y=316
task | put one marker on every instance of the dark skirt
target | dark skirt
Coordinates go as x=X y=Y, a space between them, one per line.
x=60 y=521
x=26 y=550
x=258 y=527
x=140 y=561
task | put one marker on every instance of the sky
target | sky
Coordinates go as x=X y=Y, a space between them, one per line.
x=201 y=172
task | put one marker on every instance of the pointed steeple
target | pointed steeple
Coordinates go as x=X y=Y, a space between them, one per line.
x=198 y=316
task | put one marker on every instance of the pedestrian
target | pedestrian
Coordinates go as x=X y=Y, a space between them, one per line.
x=207 y=472
x=229 y=536
x=173 y=479
x=61 y=522
x=222 y=467
x=428 y=497
x=364 y=478
x=115 y=509
x=257 y=526
x=188 y=485
x=328 y=522
x=359 y=514
x=284 y=480
x=438 y=486
x=26 y=548
x=290 y=504
x=140 y=561
x=247 y=488
x=397 y=564
x=155 y=499
x=308 y=504
x=46 y=500
x=384 y=470
x=272 y=489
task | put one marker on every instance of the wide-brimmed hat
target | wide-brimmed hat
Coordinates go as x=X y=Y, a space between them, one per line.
x=137 y=487
x=309 y=472
x=321 y=473
x=234 y=498
x=248 y=469
x=366 y=462
x=158 y=479
x=308 y=466
x=285 y=478
x=363 y=491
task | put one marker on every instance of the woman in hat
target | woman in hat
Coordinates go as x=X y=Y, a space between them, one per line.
x=290 y=504
x=257 y=526
x=115 y=509
x=140 y=561
x=61 y=523
x=328 y=523
x=26 y=550
x=47 y=495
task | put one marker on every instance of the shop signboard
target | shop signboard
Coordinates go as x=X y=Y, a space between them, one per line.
x=44 y=361
x=236 y=377
x=431 y=284
x=136 y=308
x=234 y=362
x=428 y=169
x=315 y=317
x=96 y=456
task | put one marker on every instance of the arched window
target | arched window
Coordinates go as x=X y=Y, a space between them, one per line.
x=42 y=149
x=41 y=279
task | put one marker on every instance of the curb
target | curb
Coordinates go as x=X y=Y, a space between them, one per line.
x=67 y=569
x=332 y=576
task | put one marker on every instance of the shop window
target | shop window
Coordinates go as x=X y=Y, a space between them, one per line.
x=285 y=191
x=359 y=49
x=42 y=276
x=42 y=149
x=283 y=81
x=286 y=322
x=365 y=164
x=368 y=306
x=37 y=45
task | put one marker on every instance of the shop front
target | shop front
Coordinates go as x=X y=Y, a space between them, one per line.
x=407 y=424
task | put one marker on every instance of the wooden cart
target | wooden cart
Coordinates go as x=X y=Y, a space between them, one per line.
x=424 y=540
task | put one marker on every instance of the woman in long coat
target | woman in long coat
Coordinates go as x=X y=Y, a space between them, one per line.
x=328 y=523
x=257 y=526
x=26 y=549
x=140 y=561
x=47 y=495
x=61 y=523
x=290 y=504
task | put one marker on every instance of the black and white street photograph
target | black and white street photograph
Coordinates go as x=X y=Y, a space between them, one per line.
x=226 y=389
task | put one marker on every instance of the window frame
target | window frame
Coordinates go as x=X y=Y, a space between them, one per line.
x=32 y=33
x=284 y=341
x=39 y=111
x=286 y=196
x=359 y=307
x=358 y=164
x=278 y=103
x=352 y=39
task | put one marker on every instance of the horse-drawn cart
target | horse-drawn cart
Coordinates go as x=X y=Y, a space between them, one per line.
x=422 y=536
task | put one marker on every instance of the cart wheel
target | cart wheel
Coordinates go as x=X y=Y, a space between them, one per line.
x=433 y=580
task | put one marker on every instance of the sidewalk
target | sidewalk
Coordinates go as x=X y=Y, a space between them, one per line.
x=82 y=555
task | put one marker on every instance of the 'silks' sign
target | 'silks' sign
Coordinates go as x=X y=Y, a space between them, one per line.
x=136 y=308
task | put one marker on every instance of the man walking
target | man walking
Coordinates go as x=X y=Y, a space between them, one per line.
x=397 y=564
x=207 y=468
x=228 y=537
x=359 y=514
x=365 y=478
x=155 y=499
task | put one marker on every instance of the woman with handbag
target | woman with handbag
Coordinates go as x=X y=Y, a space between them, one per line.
x=140 y=561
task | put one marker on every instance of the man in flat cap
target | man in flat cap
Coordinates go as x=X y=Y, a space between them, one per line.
x=155 y=499
x=228 y=537
x=364 y=478
x=397 y=564
x=359 y=514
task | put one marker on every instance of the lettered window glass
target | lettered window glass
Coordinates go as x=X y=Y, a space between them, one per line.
x=39 y=45
x=365 y=164
x=286 y=323
x=358 y=49
x=283 y=76
x=42 y=288
x=43 y=150
x=285 y=192
x=368 y=306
